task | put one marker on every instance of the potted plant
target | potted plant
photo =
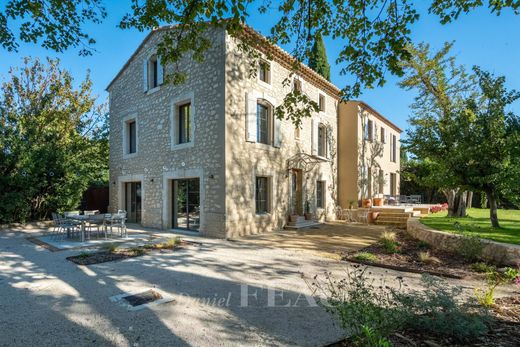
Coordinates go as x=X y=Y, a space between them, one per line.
x=367 y=203
x=352 y=204
x=307 y=213
x=378 y=201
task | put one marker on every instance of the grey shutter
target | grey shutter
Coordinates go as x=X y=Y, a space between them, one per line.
x=251 y=118
x=277 y=138
x=160 y=72
x=314 y=149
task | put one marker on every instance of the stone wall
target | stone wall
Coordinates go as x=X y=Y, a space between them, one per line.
x=245 y=160
x=500 y=253
x=156 y=162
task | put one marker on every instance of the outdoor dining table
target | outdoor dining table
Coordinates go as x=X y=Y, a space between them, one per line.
x=84 y=219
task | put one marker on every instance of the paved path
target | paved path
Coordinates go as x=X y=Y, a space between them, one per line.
x=329 y=240
x=48 y=301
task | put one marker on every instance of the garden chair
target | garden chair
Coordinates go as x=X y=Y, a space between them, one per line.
x=63 y=227
x=118 y=220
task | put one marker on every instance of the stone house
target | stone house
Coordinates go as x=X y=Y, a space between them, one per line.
x=208 y=155
x=369 y=148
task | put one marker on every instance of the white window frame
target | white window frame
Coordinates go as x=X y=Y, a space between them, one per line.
x=126 y=136
x=174 y=121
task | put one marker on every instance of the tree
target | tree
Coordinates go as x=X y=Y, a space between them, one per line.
x=53 y=141
x=318 y=60
x=461 y=125
x=491 y=141
x=443 y=88
x=374 y=33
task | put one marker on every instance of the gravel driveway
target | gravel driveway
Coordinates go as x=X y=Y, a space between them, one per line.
x=223 y=295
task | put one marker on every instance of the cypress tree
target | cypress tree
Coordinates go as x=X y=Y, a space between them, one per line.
x=318 y=58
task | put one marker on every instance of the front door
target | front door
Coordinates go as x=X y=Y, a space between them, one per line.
x=133 y=201
x=186 y=204
x=296 y=192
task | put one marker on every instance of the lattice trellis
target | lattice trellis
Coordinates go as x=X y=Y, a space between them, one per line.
x=303 y=161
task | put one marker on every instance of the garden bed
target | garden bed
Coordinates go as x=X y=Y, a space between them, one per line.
x=406 y=257
x=111 y=253
x=504 y=330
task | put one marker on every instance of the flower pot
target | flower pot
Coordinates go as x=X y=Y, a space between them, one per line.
x=367 y=203
x=378 y=201
x=293 y=218
x=308 y=216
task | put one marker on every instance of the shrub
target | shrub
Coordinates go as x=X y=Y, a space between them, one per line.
x=388 y=235
x=486 y=296
x=426 y=258
x=365 y=256
x=83 y=255
x=371 y=311
x=110 y=247
x=470 y=247
x=137 y=251
x=438 y=310
x=388 y=241
x=423 y=245
x=482 y=267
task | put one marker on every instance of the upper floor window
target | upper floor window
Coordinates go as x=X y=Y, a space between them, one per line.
x=321 y=103
x=264 y=123
x=322 y=140
x=129 y=135
x=369 y=130
x=184 y=125
x=297 y=85
x=153 y=73
x=393 y=148
x=297 y=132
x=383 y=135
x=264 y=73
x=132 y=137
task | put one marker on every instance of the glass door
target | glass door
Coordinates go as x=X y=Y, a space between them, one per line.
x=133 y=202
x=186 y=204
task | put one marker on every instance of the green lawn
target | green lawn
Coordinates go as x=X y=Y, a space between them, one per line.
x=477 y=223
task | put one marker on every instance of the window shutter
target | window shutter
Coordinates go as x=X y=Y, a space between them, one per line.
x=160 y=72
x=277 y=132
x=145 y=75
x=251 y=121
x=314 y=149
x=385 y=135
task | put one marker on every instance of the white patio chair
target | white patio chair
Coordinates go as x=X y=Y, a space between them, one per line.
x=118 y=220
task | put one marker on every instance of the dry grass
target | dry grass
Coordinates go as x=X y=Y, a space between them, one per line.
x=426 y=258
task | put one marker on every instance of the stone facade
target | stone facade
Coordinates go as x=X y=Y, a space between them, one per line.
x=224 y=153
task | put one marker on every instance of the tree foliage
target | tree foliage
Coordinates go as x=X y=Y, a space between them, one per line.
x=53 y=141
x=318 y=60
x=460 y=124
x=373 y=33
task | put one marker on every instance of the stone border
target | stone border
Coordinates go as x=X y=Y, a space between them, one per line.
x=497 y=252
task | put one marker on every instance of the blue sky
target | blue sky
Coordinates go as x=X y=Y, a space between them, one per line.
x=480 y=39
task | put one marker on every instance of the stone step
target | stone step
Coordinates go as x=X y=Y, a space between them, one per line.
x=304 y=224
x=396 y=209
x=396 y=214
x=299 y=219
x=402 y=219
x=392 y=223
x=422 y=210
x=416 y=213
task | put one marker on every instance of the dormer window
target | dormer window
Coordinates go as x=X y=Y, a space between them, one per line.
x=153 y=73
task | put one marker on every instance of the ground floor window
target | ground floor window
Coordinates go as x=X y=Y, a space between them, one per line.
x=320 y=194
x=261 y=195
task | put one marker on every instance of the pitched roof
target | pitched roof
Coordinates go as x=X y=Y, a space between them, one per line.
x=376 y=114
x=278 y=54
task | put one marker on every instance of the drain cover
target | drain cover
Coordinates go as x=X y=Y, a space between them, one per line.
x=143 y=298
